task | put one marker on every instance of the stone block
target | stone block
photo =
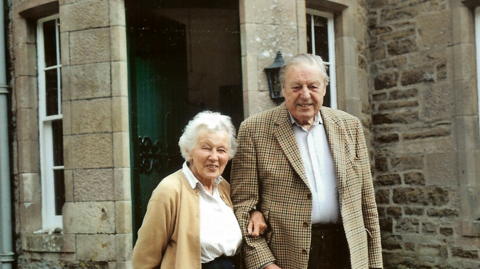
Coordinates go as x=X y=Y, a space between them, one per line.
x=464 y=63
x=25 y=59
x=446 y=231
x=391 y=242
x=100 y=247
x=121 y=149
x=117 y=13
x=69 y=185
x=67 y=117
x=388 y=180
x=122 y=184
x=432 y=250
x=382 y=197
x=27 y=124
x=65 y=48
x=402 y=46
x=89 y=218
x=247 y=11
x=93 y=185
x=90 y=151
x=92 y=116
x=434 y=30
x=26 y=92
x=464 y=103
x=87 y=81
x=120 y=112
x=395 y=118
x=413 y=211
x=347 y=46
x=463 y=28
x=123 y=217
x=23 y=32
x=387 y=138
x=31 y=216
x=270 y=39
x=119 y=79
x=90 y=46
x=397 y=105
x=409 y=196
x=467 y=131
x=381 y=164
x=28 y=156
x=416 y=75
x=30 y=188
x=403 y=94
x=280 y=12
x=84 y=15
x=435 y=132
x=124 y=247
x=50 y=243
x=118 y=43
x=394 y=212
x=414 y=178
x=441 y=169
x=442 y=213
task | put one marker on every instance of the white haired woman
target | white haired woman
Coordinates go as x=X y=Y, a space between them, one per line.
x=190 y=221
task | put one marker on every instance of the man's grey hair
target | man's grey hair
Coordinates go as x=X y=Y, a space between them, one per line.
x=305 y=58
x=213 y=122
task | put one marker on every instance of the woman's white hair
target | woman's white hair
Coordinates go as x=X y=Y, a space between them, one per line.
x=213 y=122
x=305 y=58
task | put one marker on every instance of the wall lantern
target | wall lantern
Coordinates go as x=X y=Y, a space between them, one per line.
x=274 y=84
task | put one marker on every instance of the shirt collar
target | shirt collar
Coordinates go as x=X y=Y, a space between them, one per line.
x=318 y=119
x=192 y=180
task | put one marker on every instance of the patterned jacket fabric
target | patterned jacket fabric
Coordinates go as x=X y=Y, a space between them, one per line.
x=268 y=174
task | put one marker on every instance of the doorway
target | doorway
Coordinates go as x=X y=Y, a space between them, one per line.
x=183 y=58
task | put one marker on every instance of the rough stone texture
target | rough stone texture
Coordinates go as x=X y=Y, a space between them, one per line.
x=91 y=116
x=89 y=218
x=90 y=151
x=90 y=46
x=87 y=81
x=93 y=185
x=99 y=247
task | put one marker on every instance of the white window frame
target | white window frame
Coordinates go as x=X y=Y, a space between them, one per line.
x=477 y=44
x=49 y=219
x=331 y=51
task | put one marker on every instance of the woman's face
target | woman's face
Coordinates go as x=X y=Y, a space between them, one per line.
x=209 y=156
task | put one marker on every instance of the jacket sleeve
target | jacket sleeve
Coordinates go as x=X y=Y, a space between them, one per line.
x=245 y=196
x=369 y=206
x=155 y=233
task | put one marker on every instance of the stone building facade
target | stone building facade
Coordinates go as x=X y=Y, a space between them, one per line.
x=406 y=68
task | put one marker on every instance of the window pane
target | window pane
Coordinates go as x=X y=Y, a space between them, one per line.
x=321 y=37
x=309 y=33
x=59 y=182
x=51 y=92
x=57 y=137
x=50 y=46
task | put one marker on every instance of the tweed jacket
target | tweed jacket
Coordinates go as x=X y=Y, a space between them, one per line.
x=170 y=232
x=268 y=174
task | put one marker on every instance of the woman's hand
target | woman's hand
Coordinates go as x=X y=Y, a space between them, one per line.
x=256 y=225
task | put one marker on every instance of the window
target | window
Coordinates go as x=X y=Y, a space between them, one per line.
x=50 y=121
x=321 y=41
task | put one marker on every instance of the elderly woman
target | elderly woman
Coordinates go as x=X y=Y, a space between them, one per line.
x=190 y=221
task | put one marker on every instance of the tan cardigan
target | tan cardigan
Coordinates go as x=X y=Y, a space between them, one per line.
x=170 y=232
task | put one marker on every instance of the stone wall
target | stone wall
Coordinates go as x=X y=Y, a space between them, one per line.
x=97 y=230
x=418 y=108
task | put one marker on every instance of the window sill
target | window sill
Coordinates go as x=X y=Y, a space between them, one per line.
x=51 y=243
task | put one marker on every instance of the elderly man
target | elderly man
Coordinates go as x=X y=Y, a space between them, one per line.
x=306 y=168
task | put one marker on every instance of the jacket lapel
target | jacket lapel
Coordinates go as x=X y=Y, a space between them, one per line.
x=286 y=138
x=336 y=139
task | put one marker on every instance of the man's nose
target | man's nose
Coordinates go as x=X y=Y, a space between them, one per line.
x=305 y=93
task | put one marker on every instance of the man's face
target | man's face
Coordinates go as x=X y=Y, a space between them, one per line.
x=304 y=89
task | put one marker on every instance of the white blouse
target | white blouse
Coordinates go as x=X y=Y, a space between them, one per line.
x=220 y=233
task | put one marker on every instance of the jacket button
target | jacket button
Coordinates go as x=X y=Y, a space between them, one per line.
x=309 y=196
x=304 y=251
x=305 y=224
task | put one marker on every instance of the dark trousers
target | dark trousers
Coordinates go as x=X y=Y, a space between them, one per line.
x=222 y=262
x=329 y=248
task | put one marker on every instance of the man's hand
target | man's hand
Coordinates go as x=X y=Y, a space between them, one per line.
x=272 y=266
x=257 y=225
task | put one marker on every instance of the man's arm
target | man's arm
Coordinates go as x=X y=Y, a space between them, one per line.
x=245 y=197
x=369 y=206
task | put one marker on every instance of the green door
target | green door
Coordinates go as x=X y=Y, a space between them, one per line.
x=158 y=97
x=183 y=57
